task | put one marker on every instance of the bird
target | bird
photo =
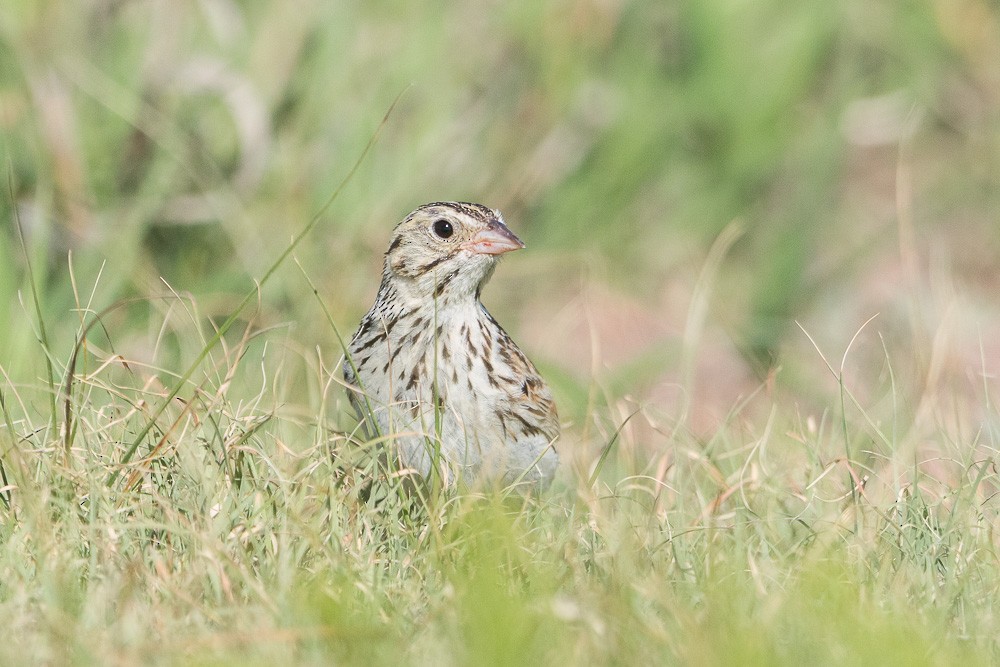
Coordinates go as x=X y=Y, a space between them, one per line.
x=431 y=373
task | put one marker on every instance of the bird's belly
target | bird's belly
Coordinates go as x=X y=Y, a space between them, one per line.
x=453 y=424
x=455 y=429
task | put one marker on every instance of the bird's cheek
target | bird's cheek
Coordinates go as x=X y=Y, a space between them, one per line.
x=401 y=266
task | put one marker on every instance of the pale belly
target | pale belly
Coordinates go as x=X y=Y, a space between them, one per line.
x=452 y=427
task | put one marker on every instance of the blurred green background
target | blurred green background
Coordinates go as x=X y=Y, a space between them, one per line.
x=176 y=143
x=716 y=196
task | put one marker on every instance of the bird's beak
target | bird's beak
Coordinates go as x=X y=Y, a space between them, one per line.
x=494 y=240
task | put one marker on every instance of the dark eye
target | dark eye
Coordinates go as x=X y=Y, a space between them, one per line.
x=443 y=228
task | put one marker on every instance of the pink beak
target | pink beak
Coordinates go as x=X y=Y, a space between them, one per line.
x=496 y=239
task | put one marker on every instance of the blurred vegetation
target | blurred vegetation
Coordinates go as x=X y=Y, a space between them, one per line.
x=692 y=179
x=190 y=140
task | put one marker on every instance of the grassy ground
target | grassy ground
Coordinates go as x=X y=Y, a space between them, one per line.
x=761 y=276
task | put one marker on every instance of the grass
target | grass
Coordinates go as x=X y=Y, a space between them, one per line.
x=235 y=536
x=235 y=531
x=760 y=278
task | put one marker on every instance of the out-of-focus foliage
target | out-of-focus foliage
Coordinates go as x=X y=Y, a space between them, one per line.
x=692 y=178
x=191 y=140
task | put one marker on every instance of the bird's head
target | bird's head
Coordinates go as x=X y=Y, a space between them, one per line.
x=447 y=250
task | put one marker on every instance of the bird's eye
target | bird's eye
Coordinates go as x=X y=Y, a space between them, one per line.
x=443 y=228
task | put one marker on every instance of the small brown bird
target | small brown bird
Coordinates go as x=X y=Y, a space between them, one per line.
x=432 y=371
